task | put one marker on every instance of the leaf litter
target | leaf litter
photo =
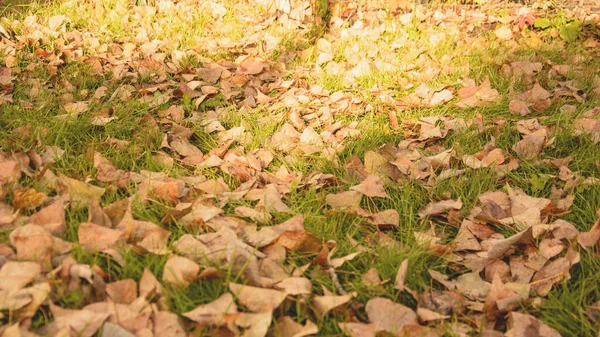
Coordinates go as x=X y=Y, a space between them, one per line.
x=507 y=251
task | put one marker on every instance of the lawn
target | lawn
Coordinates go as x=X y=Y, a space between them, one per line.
x=254 y=168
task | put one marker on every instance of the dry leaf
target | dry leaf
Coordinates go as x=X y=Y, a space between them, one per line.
x=51 y=217
x=344 y=200
x=527 y=325
x=168 y=324
x=83 y=323
x=28 y=198
x=180 y=271
x=532 y=145
x=213 y=313
x=590 y=238
x=440 y=207
x=359 y=329
x=371 y=187
x=324 y=304
x=401 y=275
x=97 y=238
x=287 y=327
x=389 y=316
x=257 y=299
x=122 y=291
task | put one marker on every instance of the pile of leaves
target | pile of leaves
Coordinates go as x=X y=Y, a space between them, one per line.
x=226 y=196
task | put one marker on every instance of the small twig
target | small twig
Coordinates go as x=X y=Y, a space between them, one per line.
x=334 y=277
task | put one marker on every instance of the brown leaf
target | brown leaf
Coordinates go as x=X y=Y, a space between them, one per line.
x=32 y=242
x=426 y=315
x=344 y=200
x=122 y=291
x=371 y=187
x=297 y=241
x=287 y=327
x=389 y=316
x=114 y=330
x=386 y=219
x=28 y=198
x=97 y=238
x=359 y=329
x=465 y=240
x=250 y=67
x=184 y=148
x=213 y=313
x=501 y=299
x=107 y=172
x=518 y=107
x=83 y=323
x=96 y=214
x=552 y=273
x=180 y=271
x=254 y=214
x=80 y=193
x=168 y=324
x=255 y=325
x=499 y=247
x=51 y=217
x=401 y=275
x=257 y=299
x=324 y=304
x=371 y=277
x=527 y=325
x=10 y=172
x=532 y=145
x=472 y=286
x=272 y=200
x=144 y=234
x=16 y=275
x=590 y=238
x=475 y=96
x=149 y=285
x=295 y=286
x=440 y=207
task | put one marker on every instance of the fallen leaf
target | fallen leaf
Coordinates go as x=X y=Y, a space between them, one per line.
x=386 y=219
x=389 y=316
x=213 y=313
x=526 y=325
x=80 y=194
x=97 y=238
x=476 y=96
x=590 y=238
x=344 y=200
x=83 y=323
x=122 y=291
x=180 y=271
x=295 y=286
x=287 y=327
x=324 y=304
x=33 y=243
x=532 y=145
x=16 y=275
x=401 y=275
x=255 y=325
x=51 y=217
x=371 y=187
x=440 y=207
x=472 y=286
x=28 y=198
x=168 y=324
x=257 y=299
x=359 y=329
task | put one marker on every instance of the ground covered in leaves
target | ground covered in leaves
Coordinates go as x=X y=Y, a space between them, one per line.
x=227 y=168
